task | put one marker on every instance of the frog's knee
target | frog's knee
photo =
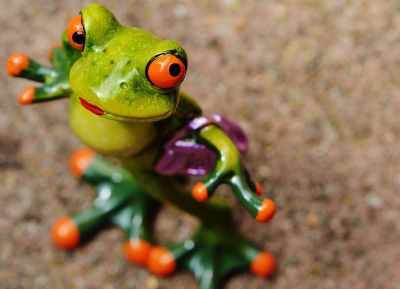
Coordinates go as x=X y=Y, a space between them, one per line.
x=80 y=161
x=137 y=251
x=65 y=233
x=16 y=63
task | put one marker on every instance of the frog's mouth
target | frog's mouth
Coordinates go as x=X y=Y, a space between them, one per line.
x=91 y=107
x=98 y=111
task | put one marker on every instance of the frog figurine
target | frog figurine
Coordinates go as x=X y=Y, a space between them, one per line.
x=146 y=142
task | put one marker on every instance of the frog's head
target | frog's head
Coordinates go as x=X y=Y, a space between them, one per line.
x=124 y=73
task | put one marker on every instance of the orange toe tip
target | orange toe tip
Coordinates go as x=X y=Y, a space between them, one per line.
x=258 y=189
x=137 y=251
x=65 y=233
x=267 y=211
x=161 y=261
x=200 y=192
x=80 y=161
x=263 y=265
x=27 y=96
x=16 y=63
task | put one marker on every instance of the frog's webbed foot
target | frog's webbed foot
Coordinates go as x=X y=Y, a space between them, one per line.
x=54 y=79
x=120 y=202
x=230 y=170
x=212 y=255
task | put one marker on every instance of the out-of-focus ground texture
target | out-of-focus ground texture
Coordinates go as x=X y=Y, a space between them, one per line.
x=315 y=84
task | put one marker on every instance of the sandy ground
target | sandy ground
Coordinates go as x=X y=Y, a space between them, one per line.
x=314 y=84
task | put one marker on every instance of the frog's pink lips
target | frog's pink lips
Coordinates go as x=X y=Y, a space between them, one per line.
x=91 y=107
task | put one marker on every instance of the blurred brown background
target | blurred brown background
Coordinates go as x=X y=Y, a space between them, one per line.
x=314 y=84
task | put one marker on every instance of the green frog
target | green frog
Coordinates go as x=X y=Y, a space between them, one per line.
x=145 y=142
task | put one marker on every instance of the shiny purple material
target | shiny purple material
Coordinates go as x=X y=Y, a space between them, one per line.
x=184 y=156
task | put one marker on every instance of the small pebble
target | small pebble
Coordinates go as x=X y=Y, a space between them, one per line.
x=374 y=201
x=312 y=219
x=240 y=24
x=181 y=11
x=152 y=283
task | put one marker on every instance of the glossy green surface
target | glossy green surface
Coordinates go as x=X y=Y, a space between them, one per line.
x=111 y=73
x=229 y=169
x=120 y=201
x=108 y=136
x=138 y=119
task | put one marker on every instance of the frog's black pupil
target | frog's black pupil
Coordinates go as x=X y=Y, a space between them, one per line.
x=78 y=37
x=174 y=69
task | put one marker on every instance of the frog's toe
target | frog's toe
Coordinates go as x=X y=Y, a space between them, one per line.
x=161 y=261
x=80 y=161
x=266 y=211
x=200 y=192
x=26 y=96
x=263 y=265
x=137 y=251
x=50 y=50
x=65 y=233
x=258 y=189
x=16 y=63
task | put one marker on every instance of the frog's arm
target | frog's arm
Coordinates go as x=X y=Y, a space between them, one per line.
x=228 y=167
x=55 y=78
x=230 y=170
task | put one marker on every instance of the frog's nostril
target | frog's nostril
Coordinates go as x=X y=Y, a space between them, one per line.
x=123 y=85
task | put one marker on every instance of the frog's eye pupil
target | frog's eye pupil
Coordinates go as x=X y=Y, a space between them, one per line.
x=174 y=69
x=78 y=38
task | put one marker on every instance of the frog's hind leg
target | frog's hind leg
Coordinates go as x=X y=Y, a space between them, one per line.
x=135 y=219
x=212 y=255
x=120 y=201
x=70 y=231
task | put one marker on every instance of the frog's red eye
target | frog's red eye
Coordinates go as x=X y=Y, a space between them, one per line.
x=76 y=33
x=166 y=71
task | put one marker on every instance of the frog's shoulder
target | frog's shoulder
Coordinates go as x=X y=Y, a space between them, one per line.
x=187 y=110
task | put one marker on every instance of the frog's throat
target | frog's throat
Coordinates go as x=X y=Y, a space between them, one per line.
x=100 y=112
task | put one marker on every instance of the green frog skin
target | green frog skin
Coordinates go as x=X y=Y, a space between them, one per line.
x=125 y=104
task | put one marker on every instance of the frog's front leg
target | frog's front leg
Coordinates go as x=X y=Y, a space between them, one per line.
x=120 y=201
x=54 y=79
x=20 y=65
x=230 y=170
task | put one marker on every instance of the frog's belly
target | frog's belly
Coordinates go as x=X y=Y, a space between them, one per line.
x=109 y=136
